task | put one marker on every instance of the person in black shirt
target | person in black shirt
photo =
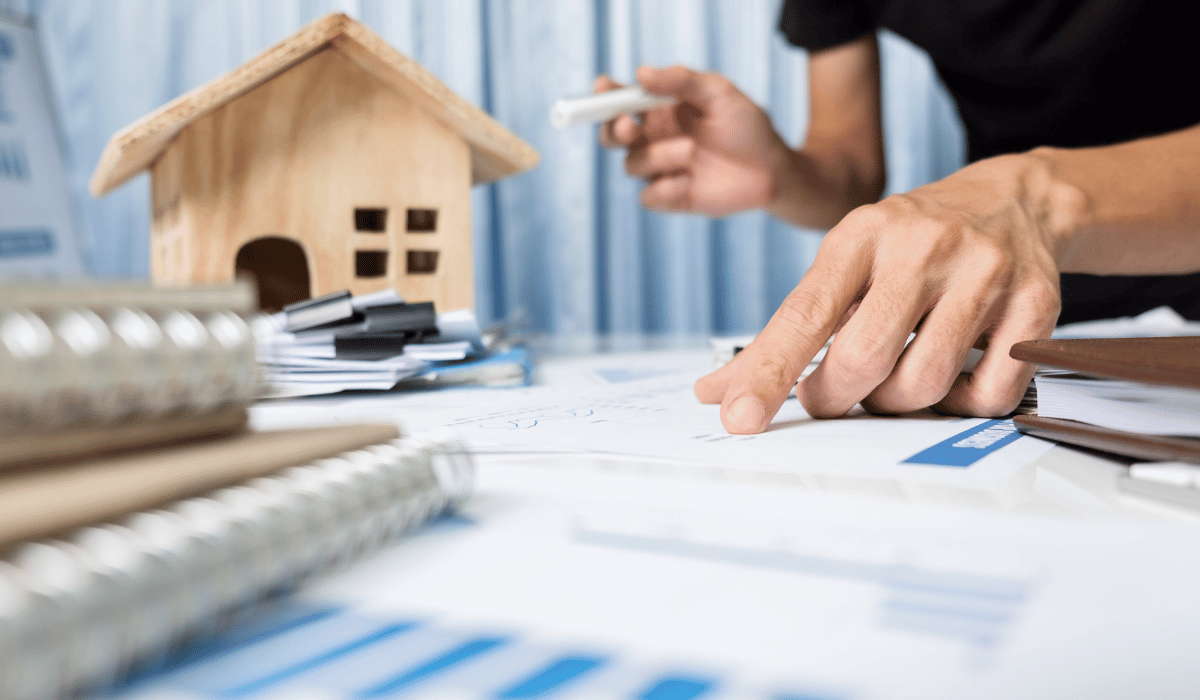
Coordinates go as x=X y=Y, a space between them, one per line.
x=1081 y=199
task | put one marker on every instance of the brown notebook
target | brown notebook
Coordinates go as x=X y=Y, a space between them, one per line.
x=1171 y=361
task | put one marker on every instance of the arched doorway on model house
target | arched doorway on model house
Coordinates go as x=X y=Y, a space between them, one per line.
x=279 y=268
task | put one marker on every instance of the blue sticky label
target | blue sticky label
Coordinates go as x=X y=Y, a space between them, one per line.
x=969 y=446
x=16 y=243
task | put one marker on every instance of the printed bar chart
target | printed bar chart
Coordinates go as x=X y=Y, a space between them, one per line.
x=336 y=652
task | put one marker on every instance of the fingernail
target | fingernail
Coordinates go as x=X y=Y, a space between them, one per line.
x=746 y=415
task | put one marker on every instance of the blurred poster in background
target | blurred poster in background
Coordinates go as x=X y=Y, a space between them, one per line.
x=37 y=226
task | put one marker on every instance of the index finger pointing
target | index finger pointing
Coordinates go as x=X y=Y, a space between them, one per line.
x=798 y=330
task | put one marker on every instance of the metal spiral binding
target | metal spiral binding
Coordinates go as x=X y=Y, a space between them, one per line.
x=76 y=613
x=72 y=364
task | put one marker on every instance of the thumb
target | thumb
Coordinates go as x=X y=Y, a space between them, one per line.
x=700 y=89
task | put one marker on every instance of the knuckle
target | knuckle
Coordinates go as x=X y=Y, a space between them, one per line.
x=686 y=150
x=863 y=357
x=992 y=255
x=866 y=217
x=719 y=84
x=992 y=261
x=775 y=369
x=806 y=313
x=939 y=229
x=1043 y=297
x=923 y=388
x=674 y=154
x=990 y=400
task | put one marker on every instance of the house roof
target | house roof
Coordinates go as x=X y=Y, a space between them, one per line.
x=495 y=151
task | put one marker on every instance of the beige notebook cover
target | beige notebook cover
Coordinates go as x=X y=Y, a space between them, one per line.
x=50 y=500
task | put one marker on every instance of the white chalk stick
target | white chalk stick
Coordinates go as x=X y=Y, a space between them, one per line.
x=604 y=106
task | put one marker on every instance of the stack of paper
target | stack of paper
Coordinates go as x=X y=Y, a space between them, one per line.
x=340 y=342
x=1120 y=405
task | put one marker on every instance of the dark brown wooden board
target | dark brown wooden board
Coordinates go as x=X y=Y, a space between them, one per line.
x=1153 y=448
x=1172 y=360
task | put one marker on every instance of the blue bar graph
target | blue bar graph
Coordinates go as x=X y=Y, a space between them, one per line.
x=239 y=638
x=339 y=653
x=331 y=655
x=208 y=649
x=677 y=688
x=552 y=677
x=464 y=652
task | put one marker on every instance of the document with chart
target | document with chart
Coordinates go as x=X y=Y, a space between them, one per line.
x=575 y=584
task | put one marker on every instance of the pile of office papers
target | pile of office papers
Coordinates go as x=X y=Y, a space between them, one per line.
x=1133 y=407
x=341 y=342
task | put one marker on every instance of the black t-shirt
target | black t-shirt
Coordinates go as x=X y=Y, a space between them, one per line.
x=1027 y=73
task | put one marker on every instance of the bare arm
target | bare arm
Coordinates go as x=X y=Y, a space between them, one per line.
x=841 y=164
x=1128 y=209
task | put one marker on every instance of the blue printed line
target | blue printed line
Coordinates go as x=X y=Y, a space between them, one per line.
x=321 y=659
x=241 y=638
x=208 y=650
x=559 y=673
x=982 y=616
x=677 y=688
x=457 y=655
x=969 y=446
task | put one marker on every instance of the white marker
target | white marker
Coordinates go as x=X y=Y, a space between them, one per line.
x=604 y=106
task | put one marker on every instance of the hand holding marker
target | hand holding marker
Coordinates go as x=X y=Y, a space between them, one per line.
x=604 y=106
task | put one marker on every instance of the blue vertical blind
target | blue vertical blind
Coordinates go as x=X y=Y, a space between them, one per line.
x=567 y=244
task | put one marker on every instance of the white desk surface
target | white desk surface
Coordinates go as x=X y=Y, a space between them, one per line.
x=624 y=577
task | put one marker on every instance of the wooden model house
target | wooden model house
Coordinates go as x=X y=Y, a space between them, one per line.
x=328 y=162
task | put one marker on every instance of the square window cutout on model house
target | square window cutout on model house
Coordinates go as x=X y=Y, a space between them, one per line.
x=370 y=220
x=421 y=221
x=422 y=262
x=370 y=263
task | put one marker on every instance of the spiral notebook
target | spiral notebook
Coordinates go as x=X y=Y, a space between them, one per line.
x=110 y=563
x=92 y=368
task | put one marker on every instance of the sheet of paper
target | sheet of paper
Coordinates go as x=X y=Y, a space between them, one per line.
x=383 y=296
x=642 y=405
x=661 y=419
x=439 y=352
x=571 y=584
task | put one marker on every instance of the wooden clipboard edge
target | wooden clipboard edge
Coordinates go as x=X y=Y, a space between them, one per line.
x=1090 y=359
x=1153 y=448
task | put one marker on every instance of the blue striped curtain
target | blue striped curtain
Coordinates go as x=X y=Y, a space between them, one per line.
x=566 y=245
